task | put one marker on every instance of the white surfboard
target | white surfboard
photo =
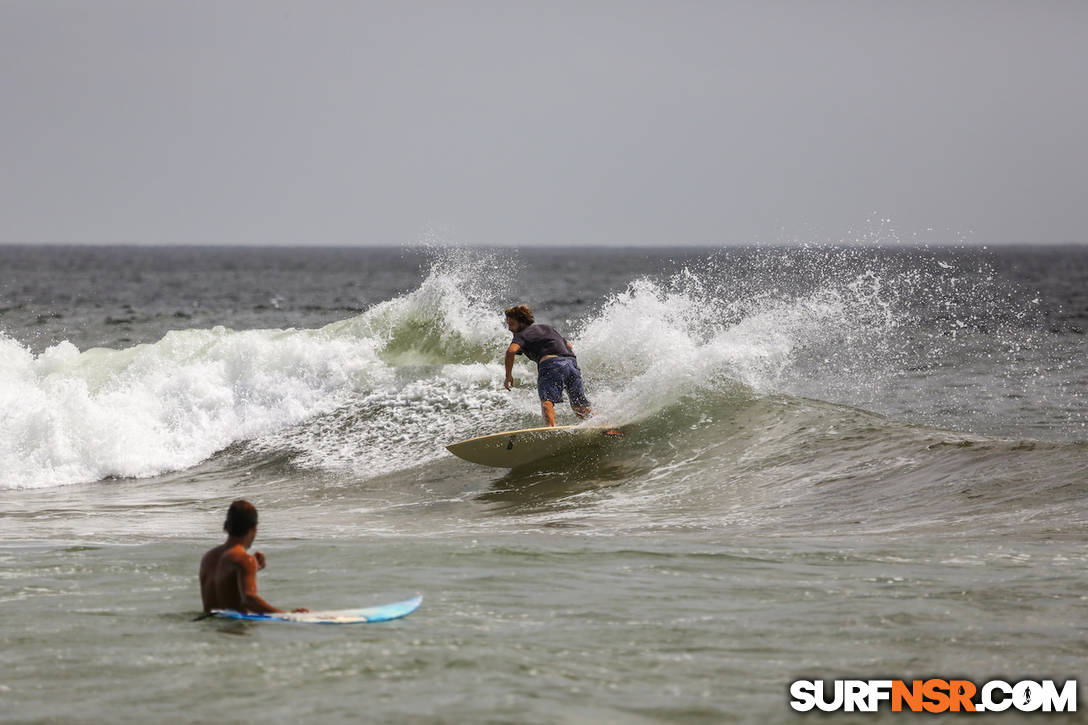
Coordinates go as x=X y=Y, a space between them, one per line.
x=380 y=613
x=513 y=448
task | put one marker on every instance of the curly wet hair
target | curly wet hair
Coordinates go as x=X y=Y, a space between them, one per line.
x=521 y=313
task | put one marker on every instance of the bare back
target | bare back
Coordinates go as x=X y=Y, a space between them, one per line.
x=228 y=579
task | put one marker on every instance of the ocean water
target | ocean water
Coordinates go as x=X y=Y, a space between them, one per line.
x=837 y=462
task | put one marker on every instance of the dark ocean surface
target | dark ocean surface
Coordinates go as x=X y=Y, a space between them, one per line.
x=837 y=462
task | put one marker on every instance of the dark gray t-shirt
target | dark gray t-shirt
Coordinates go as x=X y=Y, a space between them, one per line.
x=538 y=340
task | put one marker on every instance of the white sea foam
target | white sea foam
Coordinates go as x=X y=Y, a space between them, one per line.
x=71 y=417
x=657 y=342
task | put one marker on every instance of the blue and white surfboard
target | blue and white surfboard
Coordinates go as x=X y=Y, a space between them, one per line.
x=379 y=613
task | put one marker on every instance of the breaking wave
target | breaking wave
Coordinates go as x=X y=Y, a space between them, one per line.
x=386 y=389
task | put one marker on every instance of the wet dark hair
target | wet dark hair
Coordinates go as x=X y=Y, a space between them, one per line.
x=241 y=518
x=521 y=313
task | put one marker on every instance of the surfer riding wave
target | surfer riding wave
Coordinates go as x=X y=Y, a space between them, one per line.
x=557 y=366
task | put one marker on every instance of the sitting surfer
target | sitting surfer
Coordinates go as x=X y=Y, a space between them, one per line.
x=228 y=573
x=556 y=365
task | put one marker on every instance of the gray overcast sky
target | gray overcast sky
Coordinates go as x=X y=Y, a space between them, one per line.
x=335 y=122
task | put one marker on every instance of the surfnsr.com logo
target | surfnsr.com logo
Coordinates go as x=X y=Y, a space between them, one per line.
x=933 y=695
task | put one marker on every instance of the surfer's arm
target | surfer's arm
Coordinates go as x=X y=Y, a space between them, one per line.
x=511 y=353
x=247 y=583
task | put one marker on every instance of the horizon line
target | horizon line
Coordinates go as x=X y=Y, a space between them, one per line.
x=565 y=245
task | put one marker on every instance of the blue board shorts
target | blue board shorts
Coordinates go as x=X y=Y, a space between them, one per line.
x=557 y=373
